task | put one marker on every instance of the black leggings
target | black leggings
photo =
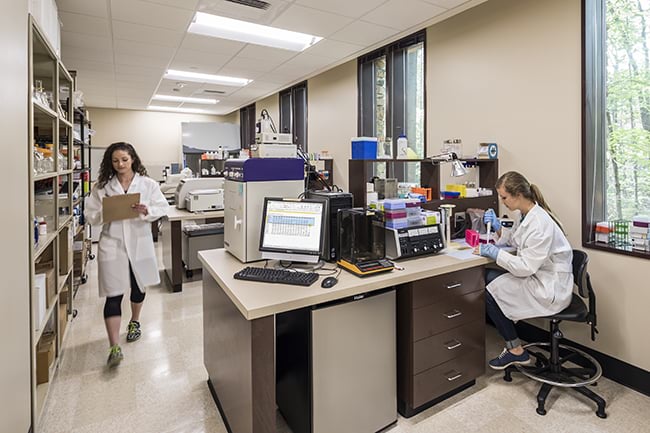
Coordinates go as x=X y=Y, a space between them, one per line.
x=505 y=326
x=113 y=305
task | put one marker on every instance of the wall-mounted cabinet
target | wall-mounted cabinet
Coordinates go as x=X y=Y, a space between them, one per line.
x=51 y=211
x=427 y=174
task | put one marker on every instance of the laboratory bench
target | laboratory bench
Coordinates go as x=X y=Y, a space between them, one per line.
x=439 y=330
x=171 y=232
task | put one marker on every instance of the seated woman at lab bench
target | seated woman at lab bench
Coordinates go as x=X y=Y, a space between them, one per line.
x=537 y=281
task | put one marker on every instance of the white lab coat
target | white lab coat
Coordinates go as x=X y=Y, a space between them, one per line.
x=127 y=240
x=539 y=281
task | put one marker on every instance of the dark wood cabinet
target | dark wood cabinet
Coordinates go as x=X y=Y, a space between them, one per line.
x=440 y=338
x=361 y=171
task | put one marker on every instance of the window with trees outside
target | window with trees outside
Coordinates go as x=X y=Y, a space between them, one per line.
x=391 y=101
x=616 y=124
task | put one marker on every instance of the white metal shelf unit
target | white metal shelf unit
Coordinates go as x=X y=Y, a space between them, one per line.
x=50 y=196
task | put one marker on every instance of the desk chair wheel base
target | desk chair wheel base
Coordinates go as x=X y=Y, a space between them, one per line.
x=552 y=374
x=91 y=257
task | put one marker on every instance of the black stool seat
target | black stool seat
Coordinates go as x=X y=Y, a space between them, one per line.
x=564 y=366
x=575 y=312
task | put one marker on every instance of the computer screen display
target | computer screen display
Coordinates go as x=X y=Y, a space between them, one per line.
x=292 y=227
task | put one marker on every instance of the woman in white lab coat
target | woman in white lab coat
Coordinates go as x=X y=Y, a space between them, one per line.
x=538 y=279
x=125 y=254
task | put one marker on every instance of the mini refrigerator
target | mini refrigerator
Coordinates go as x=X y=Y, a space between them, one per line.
x=336 y=365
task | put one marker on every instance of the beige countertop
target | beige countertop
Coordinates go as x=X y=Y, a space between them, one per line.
x=176 y=214
x=255 y=300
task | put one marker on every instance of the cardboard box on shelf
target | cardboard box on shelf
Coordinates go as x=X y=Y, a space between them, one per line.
x=47 y=268
x=63 y=317
x=44 y=357
x=65 y=251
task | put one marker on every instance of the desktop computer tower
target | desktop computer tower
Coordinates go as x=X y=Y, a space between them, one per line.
x=335 y=201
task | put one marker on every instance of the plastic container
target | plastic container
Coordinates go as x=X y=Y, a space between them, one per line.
x=399 y=223
x=450 y=194
x=402 y=146
x=395 y=214
x=390 y=204
x=414 y=221
x=364 y=148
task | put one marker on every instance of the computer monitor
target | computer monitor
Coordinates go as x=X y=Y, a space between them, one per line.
x=292 y=229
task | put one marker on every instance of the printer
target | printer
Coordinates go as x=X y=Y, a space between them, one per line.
x=185 y=186
x=204 y=199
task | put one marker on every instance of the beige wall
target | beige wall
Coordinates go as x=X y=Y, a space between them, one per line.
x=155 y=135
x=15 y=379
x=332 y=116
x=509 y=71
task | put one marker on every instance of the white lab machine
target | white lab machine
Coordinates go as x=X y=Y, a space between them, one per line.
x=185 y=186
x=248 y=182
x=273 y=150
x=204 y=200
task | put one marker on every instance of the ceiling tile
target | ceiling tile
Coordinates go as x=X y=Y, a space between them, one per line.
x=354 y=9
x=166 y=104
x=84 y=24
x=258 y=52
x=135 y=78
x=93 y=8
x=210 y=45
x=361 y=33
x=183 y=4
x=311 y=21
x=79 y=40
x=166 y=87
x=81 y=65
x=96 y=76
x=253 y=64
x=204 y=107
x=393 y=14
x=198 y=61
x=245 y=13
x=151 y=35
x=71 y=56
x=143 y=49
x=137 y=93
x=87 y=82
x=447 y=4
x=100 y=92
x=207 y=90
x=151 y=14
x=139 y=70
x=101 y=102
x=151 y=62
x=240 y=72
x=334 y=50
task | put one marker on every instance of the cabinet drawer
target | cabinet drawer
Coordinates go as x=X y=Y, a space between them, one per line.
x=448 y=345
x=434 y=289
x=450 y=313
x=439 y=380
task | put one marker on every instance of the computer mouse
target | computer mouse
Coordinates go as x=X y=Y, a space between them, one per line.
x=329 y=282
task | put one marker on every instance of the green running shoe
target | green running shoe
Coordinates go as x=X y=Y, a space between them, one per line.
x=115 y=356
x=133 y=331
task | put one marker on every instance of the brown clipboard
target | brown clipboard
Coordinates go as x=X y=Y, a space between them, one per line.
x=119 y=207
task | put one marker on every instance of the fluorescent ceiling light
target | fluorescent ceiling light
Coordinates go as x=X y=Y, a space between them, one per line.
x=173 y=98
x=179 y=110
x=243 y=31
x=197 y=77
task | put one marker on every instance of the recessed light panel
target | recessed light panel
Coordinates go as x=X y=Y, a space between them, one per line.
x=189 y=100
x=243 y=31
x=206 y=78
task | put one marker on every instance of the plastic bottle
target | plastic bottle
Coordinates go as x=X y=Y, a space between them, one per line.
x=35 y=231
x=42 y=226
x=402 y=146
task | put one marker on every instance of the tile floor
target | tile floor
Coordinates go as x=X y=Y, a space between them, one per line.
x=160 y=387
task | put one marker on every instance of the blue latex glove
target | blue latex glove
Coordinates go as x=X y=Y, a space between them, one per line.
x=489 y=250
x=491 y=217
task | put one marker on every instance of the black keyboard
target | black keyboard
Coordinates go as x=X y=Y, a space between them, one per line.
x=280 y=276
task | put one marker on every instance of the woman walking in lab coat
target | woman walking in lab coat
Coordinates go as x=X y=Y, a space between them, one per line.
x=538 y=280
x=125 y=254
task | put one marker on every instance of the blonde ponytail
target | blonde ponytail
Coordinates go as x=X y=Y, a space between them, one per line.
x=537 y=197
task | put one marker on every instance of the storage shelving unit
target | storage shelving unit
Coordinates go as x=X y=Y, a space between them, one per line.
x=50 y=194
x=81 y=145
x=361 y=171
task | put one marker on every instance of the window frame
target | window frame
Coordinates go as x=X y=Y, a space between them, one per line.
x=594 y=133
x=290 y=103
x=395 y=123
x=247 y=126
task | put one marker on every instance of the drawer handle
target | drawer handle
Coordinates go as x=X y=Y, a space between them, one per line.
x=453 y=344
x=454 y=285
x=453 y=375
x=452 y=314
